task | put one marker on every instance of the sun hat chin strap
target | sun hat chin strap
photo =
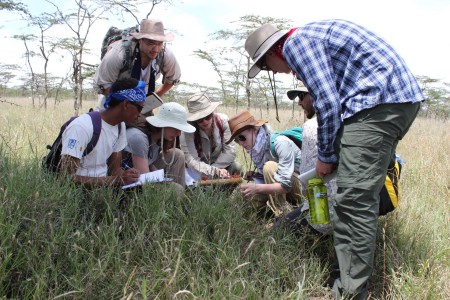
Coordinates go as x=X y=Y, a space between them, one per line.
x=162 y=150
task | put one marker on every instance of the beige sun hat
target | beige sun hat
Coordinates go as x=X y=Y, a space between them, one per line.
x=199 y=106
x=242 y=121
x=171 y=114
x=259 y=42
x=152 y=29
x=301 y=88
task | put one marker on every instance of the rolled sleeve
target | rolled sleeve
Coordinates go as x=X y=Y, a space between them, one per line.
x=109 y=68
x=170 y=69
x=193 y=161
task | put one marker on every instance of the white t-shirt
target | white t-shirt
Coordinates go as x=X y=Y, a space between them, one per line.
x=78 y=134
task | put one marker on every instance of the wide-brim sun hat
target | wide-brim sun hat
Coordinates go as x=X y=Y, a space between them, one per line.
x=171 y=114
x=259 y=42
x=242 y=121
x=152 y=29
x=199 y=106
x=301 y=88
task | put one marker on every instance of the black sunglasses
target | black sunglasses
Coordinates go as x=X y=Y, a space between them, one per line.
x=138 y=107
x=240 y=138
x=207 y=118
x=262 y=63
x=301 y=95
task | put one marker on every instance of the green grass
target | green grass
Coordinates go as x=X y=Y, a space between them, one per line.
x=206 y=244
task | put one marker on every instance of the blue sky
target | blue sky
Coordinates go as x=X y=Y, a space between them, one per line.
x=417 y=29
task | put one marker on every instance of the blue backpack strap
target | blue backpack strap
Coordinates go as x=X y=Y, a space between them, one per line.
x=272 y=143
x=97 y=125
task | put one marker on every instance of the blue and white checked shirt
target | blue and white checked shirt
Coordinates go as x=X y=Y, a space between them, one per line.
x=346 y=69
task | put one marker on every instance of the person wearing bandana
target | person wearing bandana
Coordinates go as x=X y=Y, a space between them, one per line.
x=102 y=166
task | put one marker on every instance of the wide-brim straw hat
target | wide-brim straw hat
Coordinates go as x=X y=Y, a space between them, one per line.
x=301 y=88
x=171 y=114
x=199 y=106
x=259 y=42
x=152 y=29
x=242 y=121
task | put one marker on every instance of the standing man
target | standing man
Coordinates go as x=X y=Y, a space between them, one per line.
x=366 y=99
x=145 y=58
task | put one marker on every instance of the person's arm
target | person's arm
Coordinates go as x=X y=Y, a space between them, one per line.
x=109 y=68
x=163 y=88
x=70 y=164
x=310 y=60
x=228 y=152
x=193 y=161
x=288 y=155
x=171 y=72
x=140 y=163
x=249 y=190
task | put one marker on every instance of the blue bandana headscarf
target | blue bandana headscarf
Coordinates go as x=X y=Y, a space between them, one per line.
x=136 y=94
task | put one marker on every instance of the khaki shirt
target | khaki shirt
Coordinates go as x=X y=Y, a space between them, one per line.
x=209 y=163
x=110 y=67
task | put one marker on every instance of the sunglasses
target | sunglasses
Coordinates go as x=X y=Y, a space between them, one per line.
x=240 y=138
x=207 y=118
x=138 y=107
x=262 y=64
x=301 y=95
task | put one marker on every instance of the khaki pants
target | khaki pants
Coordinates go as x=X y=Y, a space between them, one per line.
x=176 y=170
x=279 y=204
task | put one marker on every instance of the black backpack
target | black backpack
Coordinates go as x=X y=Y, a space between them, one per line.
x=51 y=161
x=115 y=34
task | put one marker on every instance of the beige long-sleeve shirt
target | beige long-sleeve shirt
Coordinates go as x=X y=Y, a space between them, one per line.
x=209 y=162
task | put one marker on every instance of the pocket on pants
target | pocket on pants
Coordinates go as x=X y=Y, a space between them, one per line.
x=361 y=159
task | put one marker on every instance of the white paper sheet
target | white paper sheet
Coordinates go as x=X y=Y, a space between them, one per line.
x=155 y=176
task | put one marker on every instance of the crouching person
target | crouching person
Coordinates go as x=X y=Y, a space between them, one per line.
x=206 y=151
x=151 y=142
x=102 y=165
x=280 y=188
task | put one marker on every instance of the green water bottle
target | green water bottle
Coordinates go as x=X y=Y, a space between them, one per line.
x=318 y=202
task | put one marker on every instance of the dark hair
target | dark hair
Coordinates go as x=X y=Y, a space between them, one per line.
x=198 y=139
x=120 y=85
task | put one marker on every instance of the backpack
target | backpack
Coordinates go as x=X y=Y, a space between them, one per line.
x=51 y=161
x=115 y=34
x=295 y=134
x=390 y=192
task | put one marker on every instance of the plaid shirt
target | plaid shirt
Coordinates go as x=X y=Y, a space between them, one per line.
x=346 y=69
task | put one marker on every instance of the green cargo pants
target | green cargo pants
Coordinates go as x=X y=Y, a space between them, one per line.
x=363 y=145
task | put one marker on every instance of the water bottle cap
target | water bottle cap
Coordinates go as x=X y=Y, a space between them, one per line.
x=315 y=181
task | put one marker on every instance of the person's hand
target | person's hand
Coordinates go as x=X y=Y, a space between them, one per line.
x=223 y=173
x=249 y=190
x=323 y=169
x=130 y=176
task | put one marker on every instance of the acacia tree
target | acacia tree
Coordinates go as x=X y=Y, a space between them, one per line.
x=232 y=62
x=6 y=74
x=79 y=22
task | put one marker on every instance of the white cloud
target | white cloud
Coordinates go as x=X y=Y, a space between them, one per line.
x=415 y=28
